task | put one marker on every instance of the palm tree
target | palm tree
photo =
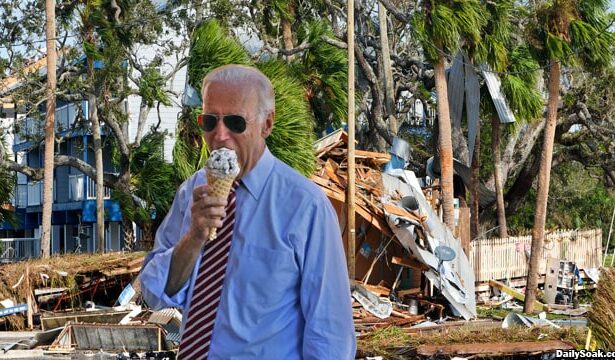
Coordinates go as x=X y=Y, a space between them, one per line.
x=521 y=90
x=519 y=87
x=567 y=32
x=50 y=30
x=441 y=26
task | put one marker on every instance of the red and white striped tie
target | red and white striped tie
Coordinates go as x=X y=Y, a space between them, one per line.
x=199 y=327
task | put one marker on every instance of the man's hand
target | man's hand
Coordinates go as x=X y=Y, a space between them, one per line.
x=207 y=212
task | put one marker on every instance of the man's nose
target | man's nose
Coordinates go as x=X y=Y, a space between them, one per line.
x=220 y=132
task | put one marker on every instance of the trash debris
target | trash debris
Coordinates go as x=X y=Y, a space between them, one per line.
x=380 y=307
x=516 y=319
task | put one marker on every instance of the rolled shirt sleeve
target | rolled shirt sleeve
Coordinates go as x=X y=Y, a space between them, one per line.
x=157 y=263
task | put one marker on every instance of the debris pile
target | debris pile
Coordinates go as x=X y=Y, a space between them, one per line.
x=83 y=304
x=412 y=268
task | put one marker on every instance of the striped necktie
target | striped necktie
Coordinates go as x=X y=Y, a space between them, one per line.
x=199 y=327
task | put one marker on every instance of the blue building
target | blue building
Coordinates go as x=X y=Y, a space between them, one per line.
x=74 y=198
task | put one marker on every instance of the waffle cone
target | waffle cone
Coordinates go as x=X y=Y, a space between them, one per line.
x=220 y=187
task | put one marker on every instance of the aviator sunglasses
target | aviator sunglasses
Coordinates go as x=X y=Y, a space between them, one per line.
x=235 y=123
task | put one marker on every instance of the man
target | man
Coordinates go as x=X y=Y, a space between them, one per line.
x=284 y=293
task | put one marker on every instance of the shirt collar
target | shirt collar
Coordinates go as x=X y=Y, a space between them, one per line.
x=254 y=181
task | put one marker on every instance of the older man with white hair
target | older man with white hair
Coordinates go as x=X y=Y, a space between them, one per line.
x=274 y=283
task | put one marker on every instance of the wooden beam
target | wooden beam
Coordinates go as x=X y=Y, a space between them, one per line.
x=409 y=263
x=516 y=294
x=494 y=349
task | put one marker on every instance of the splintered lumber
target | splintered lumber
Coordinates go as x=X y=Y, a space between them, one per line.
x=395 y=210
x=516 y=294
x=378 y=289
x=495 y=349
x=409 y=263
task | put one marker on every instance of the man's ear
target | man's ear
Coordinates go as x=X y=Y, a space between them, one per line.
x=268 y=125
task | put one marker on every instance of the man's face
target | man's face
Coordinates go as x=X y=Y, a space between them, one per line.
x=221 y=99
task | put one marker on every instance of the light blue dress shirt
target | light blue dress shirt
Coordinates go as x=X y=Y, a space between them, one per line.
x=286 y=292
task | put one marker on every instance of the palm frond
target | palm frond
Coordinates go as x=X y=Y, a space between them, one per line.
x=293 y=131
x=592 y=45
x=212 y=47
x=525 y=100
x=324 y=71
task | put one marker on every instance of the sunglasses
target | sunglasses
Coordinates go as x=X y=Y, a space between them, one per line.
x=235 y=123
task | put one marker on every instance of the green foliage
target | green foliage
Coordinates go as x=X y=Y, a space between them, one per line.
x=323 y=68
x=210 y=48
x=576 y=200
x=593 y=44
x=151 y=87
x=443 y=24
x=572 y=31
x=525 y=101
x=189 y=154
x=151 y=181
x=293 y=131
x=557 y=48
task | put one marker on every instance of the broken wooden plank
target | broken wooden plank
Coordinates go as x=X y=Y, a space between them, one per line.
x=516 y=294
x=413 y=291
x=380 y=290
x=395 y=210
x=409 y=263
x=495 y=349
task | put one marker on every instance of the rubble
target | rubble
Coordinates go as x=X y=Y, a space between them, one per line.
x=393 y=207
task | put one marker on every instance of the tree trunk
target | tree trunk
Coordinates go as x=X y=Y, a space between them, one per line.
x=49 y=129
x=389 y=93
x=100 y=191
x=474 y=185
x=129 y=234
x=445 y=145
x=497 y=175
x=287 y=32
x=542 y=194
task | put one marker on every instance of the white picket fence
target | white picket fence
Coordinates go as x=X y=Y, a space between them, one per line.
x=508 y=258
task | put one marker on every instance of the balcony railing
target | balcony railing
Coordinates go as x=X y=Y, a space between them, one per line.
x=92 y=190
x=19 y=249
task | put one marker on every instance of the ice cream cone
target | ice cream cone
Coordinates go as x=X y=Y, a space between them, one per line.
x=220 y=187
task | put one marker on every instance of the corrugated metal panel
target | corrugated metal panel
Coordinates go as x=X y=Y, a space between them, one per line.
x=455 y=278
x=110 y=337
x=495 y=89
x=455 y=90
x=472 y=104
x=171 y=320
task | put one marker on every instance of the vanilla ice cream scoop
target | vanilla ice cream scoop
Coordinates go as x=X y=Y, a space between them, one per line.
x=222 y=169
x=223 y=162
